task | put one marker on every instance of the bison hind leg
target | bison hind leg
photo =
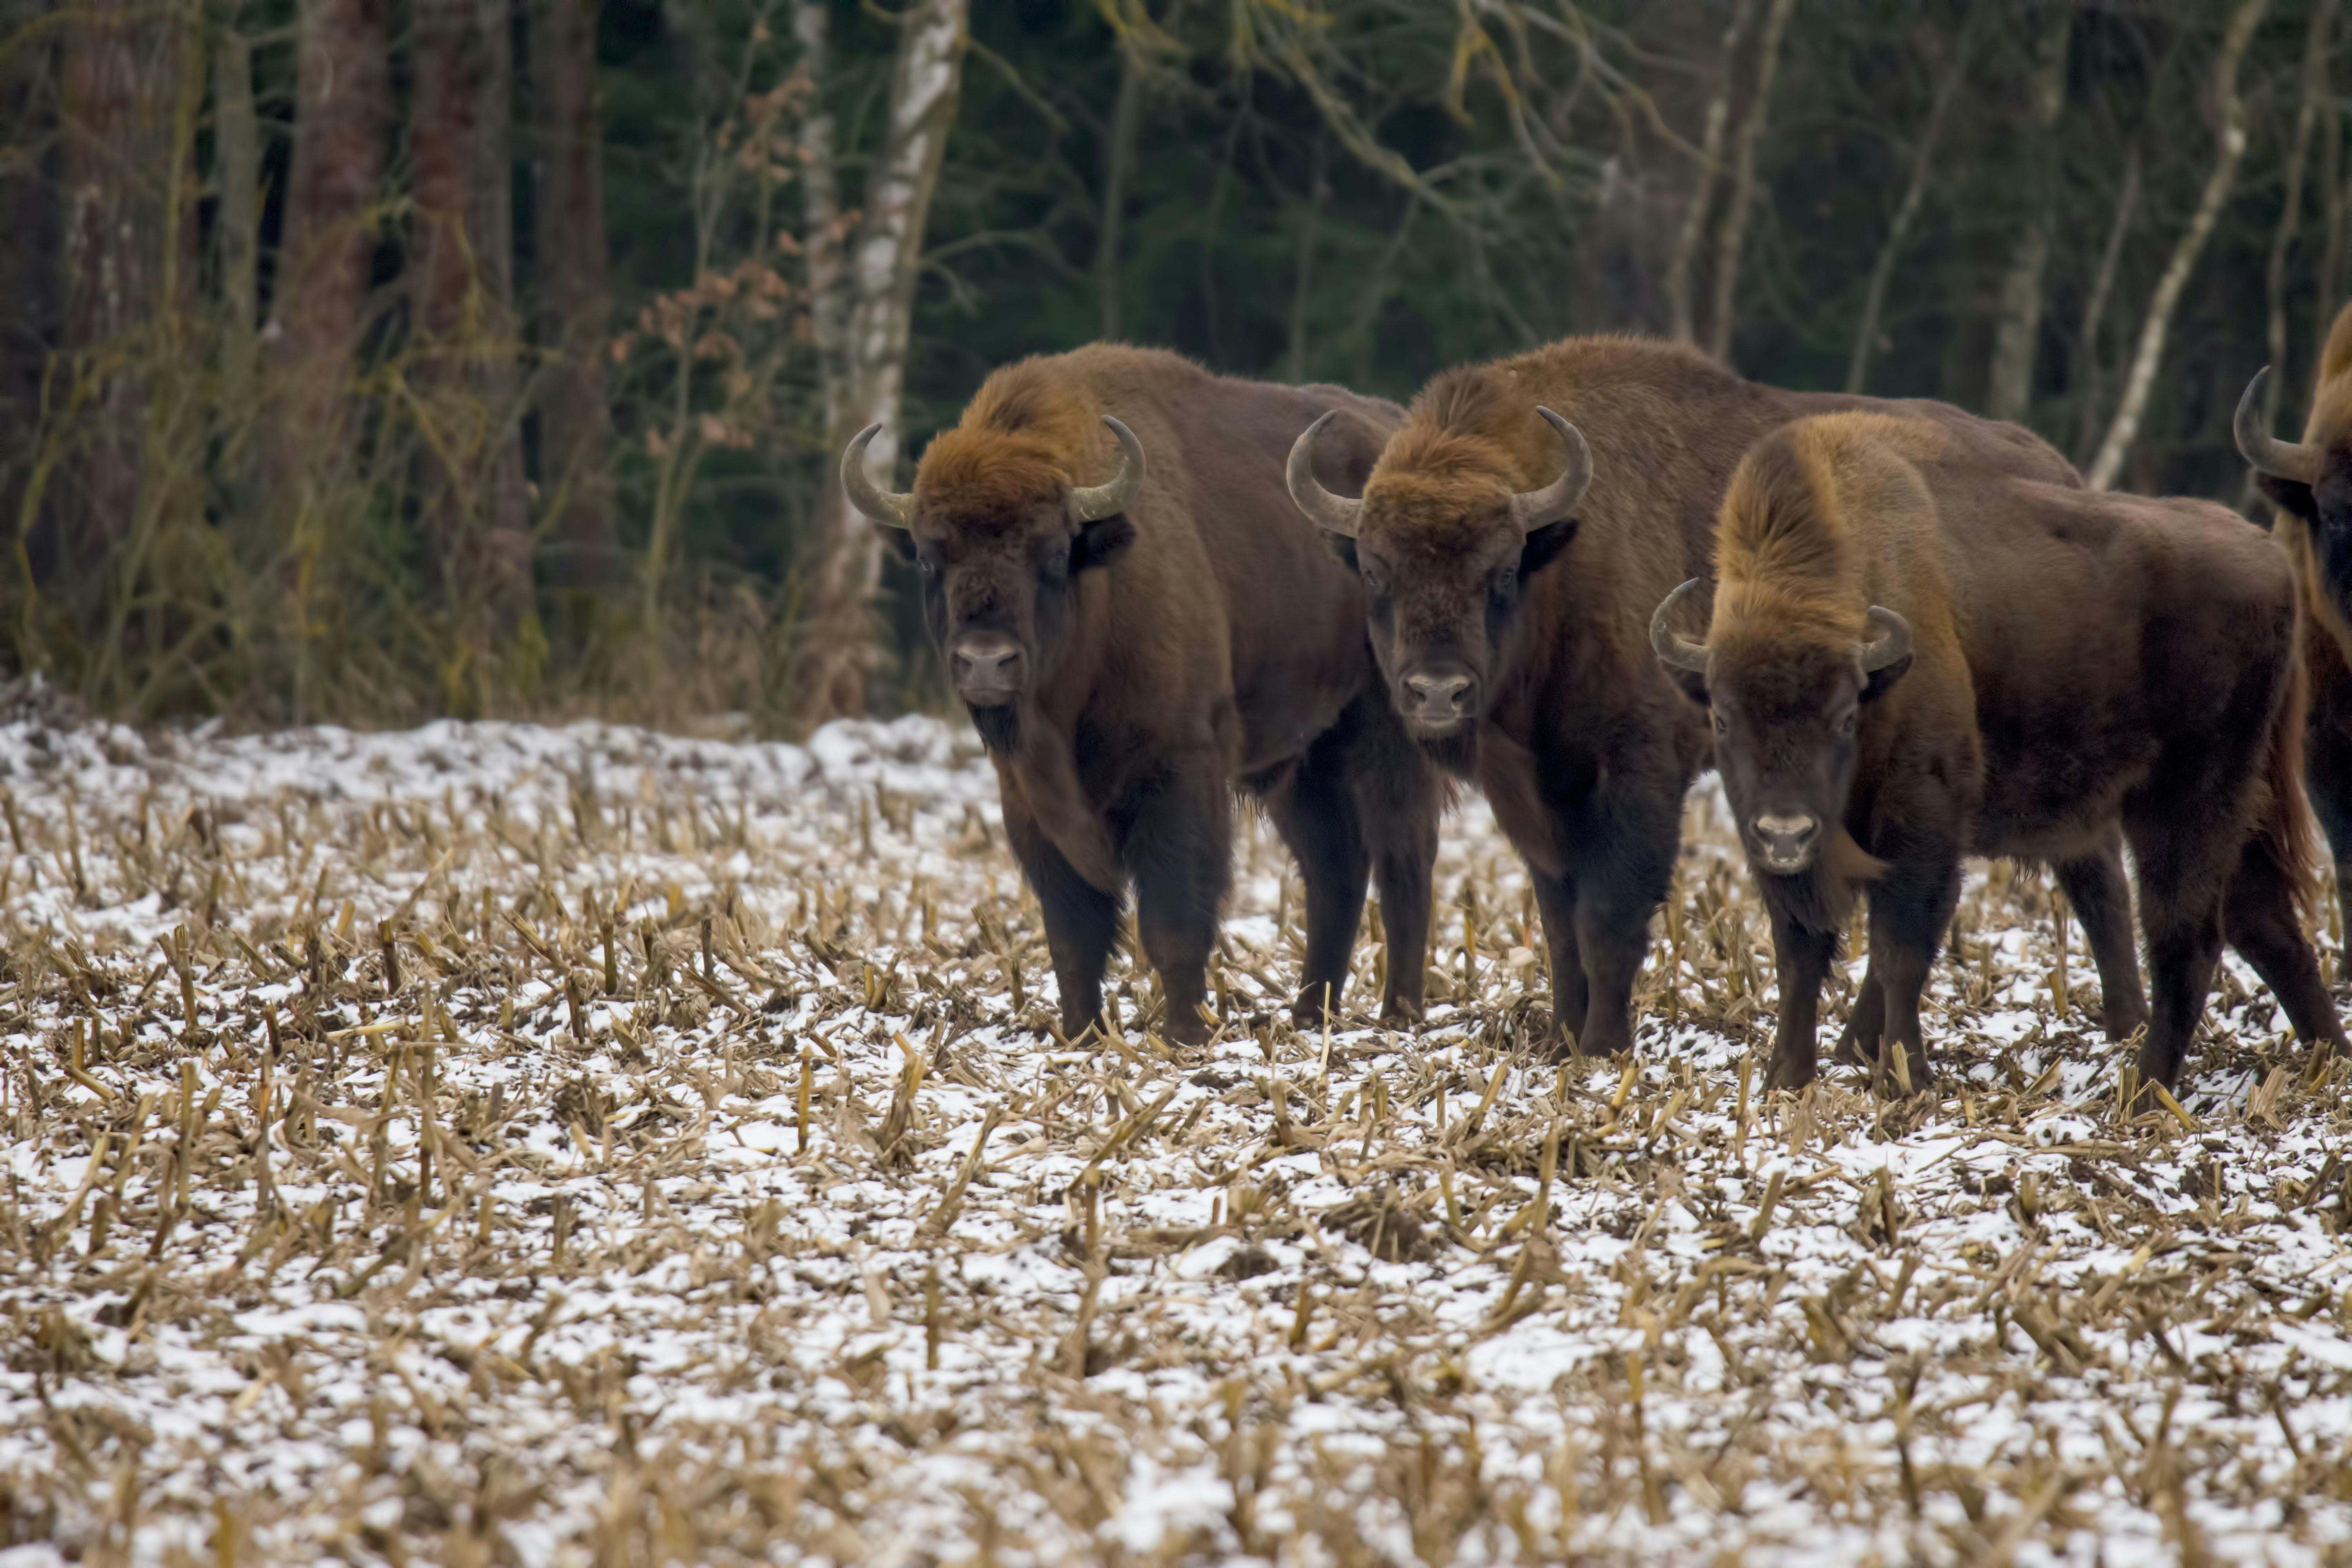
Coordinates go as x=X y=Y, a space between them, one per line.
x=2260 y=920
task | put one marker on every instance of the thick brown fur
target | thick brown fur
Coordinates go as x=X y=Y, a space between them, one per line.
x=2079 y=661
x=2313 y=525
x=1579 y=742
x=1204 y=638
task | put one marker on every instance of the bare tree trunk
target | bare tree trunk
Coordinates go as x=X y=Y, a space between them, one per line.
x=1302 y=281
x=2017 y=332
x=2331 y=172
x=236 y=154
x=2150 y=352
x=1734 y=232
x=29 y=284
x=2298 y=157
x=825 y=239
x=492 y=232
x=463 y=332
x=1710 y=167
x=116 y=99
x=1119 y=159
x=2090 y=373
x=342 y=105
x=574 y=421
x=1914 y=195
x=879 y=272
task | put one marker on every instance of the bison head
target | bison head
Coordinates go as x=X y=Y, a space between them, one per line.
x=1446 y=554
x=2311 y=480
x=1000 y=564
x=1785 y=708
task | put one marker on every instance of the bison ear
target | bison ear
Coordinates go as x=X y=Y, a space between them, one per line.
x=1100 y=543
x=901 y=540
x=1691 y=683
x=1544 y=544
x=2293 y=495
x=1878 y=682
x=1344 y=547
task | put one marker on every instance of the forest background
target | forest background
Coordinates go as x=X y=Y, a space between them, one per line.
x=365 y=361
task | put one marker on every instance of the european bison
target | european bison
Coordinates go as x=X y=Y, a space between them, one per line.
x=1509 y=602
x=1913 y=658
x=1136 y=618
x=2311 y=481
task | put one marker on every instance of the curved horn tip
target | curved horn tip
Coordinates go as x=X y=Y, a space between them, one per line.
x=1094 y=503
x=2266 y=454
x=894 y=509
x=1333 y=514
x=1533 y=509
x=1674 y=649
x=1892 y=644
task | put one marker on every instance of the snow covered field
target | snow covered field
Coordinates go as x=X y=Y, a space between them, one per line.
x=493 y=1144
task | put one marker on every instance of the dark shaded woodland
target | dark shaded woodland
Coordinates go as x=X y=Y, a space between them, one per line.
x=367 y=360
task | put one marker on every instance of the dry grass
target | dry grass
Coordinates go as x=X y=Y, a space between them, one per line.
x=505 y=1146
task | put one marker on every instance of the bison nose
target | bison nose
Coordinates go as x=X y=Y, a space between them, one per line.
x=986 y=666
x=1439 y=696
x=1786 y=843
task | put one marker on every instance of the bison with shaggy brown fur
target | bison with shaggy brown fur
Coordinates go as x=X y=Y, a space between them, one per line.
x=1912 y=660
x=1508 y=600
x=1137 y=619
x=2311 y=482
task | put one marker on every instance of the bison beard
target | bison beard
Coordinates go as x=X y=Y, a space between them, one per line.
x=1136 y=650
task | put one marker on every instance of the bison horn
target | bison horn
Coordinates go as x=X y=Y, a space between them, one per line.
x=895 y=508
x=1333 y=514
x=1675 y=650
x=1893 y=643
x=1092 y=503
x=1533 y=509
x=2296 y=460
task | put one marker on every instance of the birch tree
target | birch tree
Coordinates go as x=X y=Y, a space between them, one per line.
x=2231 y=114
x=1710 y=168
x=2017 y=329
x=1734 y=233
x=1906 y=212
x=872 y=278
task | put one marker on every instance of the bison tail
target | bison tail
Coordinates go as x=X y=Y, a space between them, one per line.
x=2284 y=832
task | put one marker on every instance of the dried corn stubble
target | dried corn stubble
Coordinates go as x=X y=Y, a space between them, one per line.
x=589 y=1144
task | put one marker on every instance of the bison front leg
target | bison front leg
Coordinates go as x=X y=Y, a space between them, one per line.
x=1570 y=993
x=1398 y=803
x=1314 y=813
x=1612 y=935
x=2094 y=885
x=1181 y=848
x=1803 y=953
x=1910 y=908
x=1081 y=921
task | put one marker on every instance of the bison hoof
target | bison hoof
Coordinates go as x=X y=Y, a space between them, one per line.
x=1790 y=1074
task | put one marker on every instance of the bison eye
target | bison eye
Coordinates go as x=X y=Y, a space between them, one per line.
x=1722 y=725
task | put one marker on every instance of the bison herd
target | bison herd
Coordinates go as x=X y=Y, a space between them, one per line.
x=1901 y=633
